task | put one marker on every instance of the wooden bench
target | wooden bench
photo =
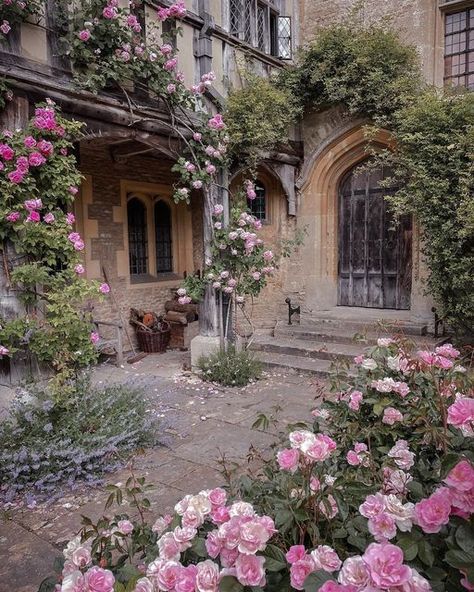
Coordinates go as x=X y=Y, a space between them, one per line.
x=115 y=342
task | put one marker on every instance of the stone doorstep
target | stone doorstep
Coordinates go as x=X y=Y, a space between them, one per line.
x=363 y=325
x=307 y=349
x=299 y=364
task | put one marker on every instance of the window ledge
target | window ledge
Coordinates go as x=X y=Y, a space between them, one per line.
x=448 y=5
x=164 y=279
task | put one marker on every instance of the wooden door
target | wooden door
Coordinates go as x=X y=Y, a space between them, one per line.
x=374 y=253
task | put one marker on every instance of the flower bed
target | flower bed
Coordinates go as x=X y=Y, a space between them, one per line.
x=376 y=495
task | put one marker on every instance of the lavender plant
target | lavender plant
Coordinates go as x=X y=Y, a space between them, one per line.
x=47 y=446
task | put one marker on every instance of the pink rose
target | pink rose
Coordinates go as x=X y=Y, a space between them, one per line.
x=94 y=337
x=326 y=558
x=391 y=416
x=300 y=570
x=217 y=496
x=104 y=288
x=443 y=363
x=372 y=506
x=33 y=217
x=329 y=512
x=79 y=245
x=253 y=536
x=13 y=217
x=168 y=547
x=382 y=527
x=79 y=269
x=354 y=573
x=219 y=515
x=385 y=564
x=145 y=585
x=49 y=218
x=168 y=575
x=6 y=152
x=461 y=413
x=461 y=478
x=288 y=459
x=81 y=557
x=216 y=122
x=250 y=571
x=97 y=579
x=70 y=219
x=447 y=350
x=125 y=526
x=36 y=159
x=45 y=147
x=84 y=35
x=353 y=458
x=214 y=544
x=16 y=176
x=207 y=576
x=355 y=400
x=186 y=579
x=433 y=513
x=295 y=553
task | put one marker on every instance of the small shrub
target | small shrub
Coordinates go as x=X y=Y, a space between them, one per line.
x=45 y=444
x=230 y=368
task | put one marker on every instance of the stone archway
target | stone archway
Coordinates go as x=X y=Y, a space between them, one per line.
x=318 y=213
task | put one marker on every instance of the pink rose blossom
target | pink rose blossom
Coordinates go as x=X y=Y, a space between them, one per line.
x=97 y=579
x=326 y=558
x=5 y=27
x=295 y=553
x=84 y=35
x=391 y=416
x=197 y=137
x=288 y=459
x=353 y=458
x=6 y=152
x=16 y=176
x=432 y=514
x=70 y=219
x=447 y=350
x=372 y=506
x=45 y=147
x=250 y=570
x=104 y=288
x=300 y=570
x=29 y=142
x=110 y=12
x=95 y=338
x=461 y=478
x=33 y=217
x=329 y=512
x=125 y=526
x=73 y=190
x=81 y=557
x=145 y=585
x=355 y=400
x=354 y=573
x=186 y=581
x=33 y=204
x=13 y=216
x=49 y=218
x=4 y=351
x=382 y=527
x=385 y=564
x=207 y=576
x=217 y=496
x=22 y=164
x=79 y=269
x=216 y=122
x=461 y=413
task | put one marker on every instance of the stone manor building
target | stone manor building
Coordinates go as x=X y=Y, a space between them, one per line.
x=352 y=265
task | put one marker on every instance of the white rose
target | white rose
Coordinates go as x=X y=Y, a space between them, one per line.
x=369 y=364
x=241 y=509
x=393 y=362
x=401 y=513
x=73 y=544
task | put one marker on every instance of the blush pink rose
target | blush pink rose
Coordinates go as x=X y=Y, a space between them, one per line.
x=169 y=547
x=461 y=413
x=447 y=350
x=300 y=570
x=125 y=526
x=382 y=527
x=214 y=544
x=372 y=506
x=207 y=576
x=385 y=564
x=354 y=573
x=218 y=496
x=355 y=400
x=433 y=513
x=391 y=416
x=288 y=459
x=97 y=579
x=295 y=553
x=461 y=478
x=168 y=575
x=186 y=581
x=326 y=558
x=353 y=458
x=253 y=537
x=250 y=570
x=220 y=514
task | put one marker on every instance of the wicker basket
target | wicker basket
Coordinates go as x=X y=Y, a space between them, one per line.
x=153 y=341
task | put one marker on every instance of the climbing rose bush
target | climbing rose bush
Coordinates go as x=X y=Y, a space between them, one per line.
x=16 y=11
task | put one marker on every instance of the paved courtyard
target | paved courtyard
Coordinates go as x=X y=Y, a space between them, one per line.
x=199 y=423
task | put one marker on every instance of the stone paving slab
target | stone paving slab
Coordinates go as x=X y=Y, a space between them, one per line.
x=198 y=422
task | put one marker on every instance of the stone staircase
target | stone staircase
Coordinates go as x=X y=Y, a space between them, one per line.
x=311 y=347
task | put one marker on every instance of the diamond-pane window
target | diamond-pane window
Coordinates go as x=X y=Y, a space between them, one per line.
x=261 y=27
x=258 y=206
x=284 y=37
x=248 y=15
x=459 y=48
x=235 y=14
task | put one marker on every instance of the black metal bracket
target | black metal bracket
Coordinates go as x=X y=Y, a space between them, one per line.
x=292 y=310
x=438 y=321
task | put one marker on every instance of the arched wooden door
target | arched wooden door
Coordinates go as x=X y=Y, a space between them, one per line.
x=375 y=256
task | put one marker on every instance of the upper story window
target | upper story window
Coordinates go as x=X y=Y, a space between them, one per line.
x=259 y=23
x=459 y=48
x=258 y=206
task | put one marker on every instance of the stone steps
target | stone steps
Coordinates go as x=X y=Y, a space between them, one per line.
x=299 y=364
x=312 y=347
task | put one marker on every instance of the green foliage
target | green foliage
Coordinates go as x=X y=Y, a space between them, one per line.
x=47 y=443
x=230 y=368
x=434 y=167
x=258 y=117
x=368 y=71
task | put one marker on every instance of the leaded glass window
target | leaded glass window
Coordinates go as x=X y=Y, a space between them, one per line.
x=163 y=237
x=258 y=206
x=459 y=48
x=137 y=237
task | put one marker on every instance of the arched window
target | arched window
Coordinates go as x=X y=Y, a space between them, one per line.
x=137 y=237
x=258 y=206
x=163 y=237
